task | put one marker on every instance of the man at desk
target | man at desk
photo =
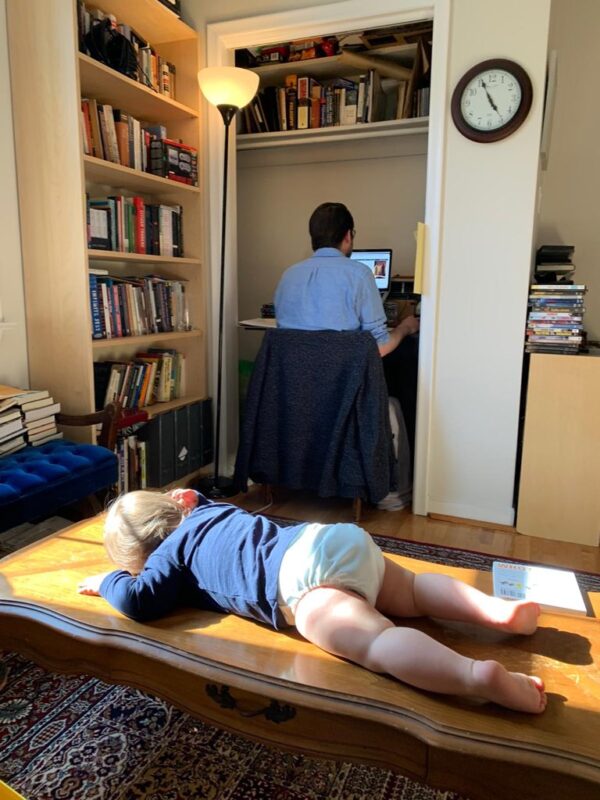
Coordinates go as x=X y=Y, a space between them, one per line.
x=330 y=291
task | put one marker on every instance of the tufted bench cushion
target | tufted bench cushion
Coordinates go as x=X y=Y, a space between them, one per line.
x=37 y=481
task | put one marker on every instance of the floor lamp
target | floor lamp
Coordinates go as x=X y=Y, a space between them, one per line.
x=229 y=89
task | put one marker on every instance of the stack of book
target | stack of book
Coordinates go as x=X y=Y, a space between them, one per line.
x=27 y=418
x=12 y=430
x=553 y=263
x=555 y=319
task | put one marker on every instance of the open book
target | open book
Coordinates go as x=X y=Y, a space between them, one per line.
x=553 y=589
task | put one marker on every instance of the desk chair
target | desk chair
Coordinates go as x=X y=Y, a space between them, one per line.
x=317 y=416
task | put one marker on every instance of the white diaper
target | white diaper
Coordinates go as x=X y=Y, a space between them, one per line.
x=340 y=555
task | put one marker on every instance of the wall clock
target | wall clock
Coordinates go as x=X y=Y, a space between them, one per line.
x=491 y=100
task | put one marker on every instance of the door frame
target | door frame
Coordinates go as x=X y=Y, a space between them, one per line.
x=223 y=38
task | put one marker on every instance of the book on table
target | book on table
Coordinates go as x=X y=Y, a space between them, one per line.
x=553 y=589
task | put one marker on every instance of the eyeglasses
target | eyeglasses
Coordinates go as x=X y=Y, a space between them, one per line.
x=353 y=233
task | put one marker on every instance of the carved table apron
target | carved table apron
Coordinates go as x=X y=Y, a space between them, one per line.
x=278 y=688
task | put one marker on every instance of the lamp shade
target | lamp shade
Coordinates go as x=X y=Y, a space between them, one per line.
x=228 y=86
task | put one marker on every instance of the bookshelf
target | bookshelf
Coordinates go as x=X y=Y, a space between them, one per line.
x=347 y=64
x=49 y=76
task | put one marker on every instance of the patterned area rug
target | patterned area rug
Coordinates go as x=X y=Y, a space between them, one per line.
x=77 y=738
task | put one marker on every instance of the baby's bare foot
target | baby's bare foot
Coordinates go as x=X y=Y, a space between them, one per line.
x=510 y=689
x=513 y=616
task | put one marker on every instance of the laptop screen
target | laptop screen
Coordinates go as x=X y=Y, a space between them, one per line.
x=379 y=262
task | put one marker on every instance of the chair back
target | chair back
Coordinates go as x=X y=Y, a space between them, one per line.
x=317 y=416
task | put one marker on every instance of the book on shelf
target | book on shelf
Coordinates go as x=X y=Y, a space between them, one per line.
x=115 y=135
x=134 y=306
x=552 y=589
x=130 y=225
x=155 y=376
x=150 y=68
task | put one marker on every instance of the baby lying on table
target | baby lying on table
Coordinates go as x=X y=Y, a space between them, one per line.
x=331 y=582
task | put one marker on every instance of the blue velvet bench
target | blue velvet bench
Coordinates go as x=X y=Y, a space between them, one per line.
x=37 y=481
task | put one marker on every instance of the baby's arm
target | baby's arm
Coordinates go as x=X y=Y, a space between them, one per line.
x=149 y=595
x=91 y=585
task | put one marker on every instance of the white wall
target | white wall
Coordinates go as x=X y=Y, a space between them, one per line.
x=382 y=182
x=488 y=214
x=569 y=207
x=13 y=341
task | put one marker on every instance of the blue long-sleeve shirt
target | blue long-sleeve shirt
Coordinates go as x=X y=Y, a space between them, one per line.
x=220 y=558
x=330 y=291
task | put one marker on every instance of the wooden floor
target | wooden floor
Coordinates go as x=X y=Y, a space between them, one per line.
x=404 y=525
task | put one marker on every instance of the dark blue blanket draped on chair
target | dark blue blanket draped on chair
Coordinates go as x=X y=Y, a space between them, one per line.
x=317 y=416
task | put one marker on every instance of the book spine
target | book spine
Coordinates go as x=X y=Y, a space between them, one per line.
x=140 y=225
x=97 y=332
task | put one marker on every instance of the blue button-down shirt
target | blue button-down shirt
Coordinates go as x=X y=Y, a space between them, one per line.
x=330 y=292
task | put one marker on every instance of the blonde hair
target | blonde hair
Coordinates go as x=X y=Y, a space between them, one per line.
x=136 y=523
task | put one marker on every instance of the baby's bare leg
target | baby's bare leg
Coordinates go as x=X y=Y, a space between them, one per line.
x=404 y=594
x=348 y=626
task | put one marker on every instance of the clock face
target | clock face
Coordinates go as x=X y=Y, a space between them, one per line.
x=490 y=100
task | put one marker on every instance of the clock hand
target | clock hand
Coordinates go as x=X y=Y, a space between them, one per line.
x=489 y=97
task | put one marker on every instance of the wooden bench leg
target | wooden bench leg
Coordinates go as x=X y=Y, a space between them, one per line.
x=357 y=508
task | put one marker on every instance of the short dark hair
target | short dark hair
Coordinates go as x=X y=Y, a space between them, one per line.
x=328 y=225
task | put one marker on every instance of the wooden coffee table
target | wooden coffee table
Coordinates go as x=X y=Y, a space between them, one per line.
x=279 y=689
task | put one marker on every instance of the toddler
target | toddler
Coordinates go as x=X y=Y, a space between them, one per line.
x=331 y=582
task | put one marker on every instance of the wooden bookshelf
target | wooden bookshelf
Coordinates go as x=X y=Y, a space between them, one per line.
x=48 y=82
x=399 y=62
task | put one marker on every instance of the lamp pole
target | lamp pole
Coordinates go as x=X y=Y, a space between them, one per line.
x=222 y=487
x=229 y=89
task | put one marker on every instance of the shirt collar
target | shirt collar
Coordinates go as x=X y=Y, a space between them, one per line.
x=328 y=251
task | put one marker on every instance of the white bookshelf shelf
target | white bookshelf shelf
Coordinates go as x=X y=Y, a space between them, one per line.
x=112 y=256
x=147 y=340
x=99 y=171
x=109 y=86
x=396 y=127
x=151 y=20
x=331 y=66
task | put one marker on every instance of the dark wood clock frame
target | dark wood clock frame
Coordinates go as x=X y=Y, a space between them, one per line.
x=496 y=135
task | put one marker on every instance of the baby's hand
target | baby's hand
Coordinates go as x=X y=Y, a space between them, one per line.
x=91 y=585
x=186 y=498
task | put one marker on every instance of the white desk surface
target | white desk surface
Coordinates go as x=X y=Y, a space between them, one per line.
x=258 y=324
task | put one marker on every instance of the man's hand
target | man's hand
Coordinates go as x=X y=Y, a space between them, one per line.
x=410 y=325
x=91 y=585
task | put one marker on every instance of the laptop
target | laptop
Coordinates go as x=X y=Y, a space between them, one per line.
x=379 y=262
